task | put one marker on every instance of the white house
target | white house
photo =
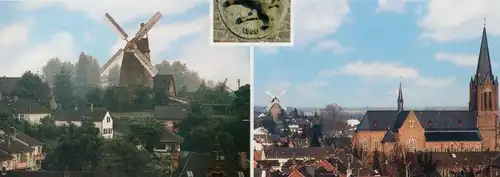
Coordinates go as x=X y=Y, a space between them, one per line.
x=25 y=109
x=100 y=117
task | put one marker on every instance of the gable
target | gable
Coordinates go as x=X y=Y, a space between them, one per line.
x=411 y=121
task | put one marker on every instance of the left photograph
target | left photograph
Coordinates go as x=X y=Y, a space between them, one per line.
x=111 y=89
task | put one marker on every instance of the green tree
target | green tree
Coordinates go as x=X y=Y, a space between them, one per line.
x=183 y=76
x=113 y=77
x=50 y=69
x=117 y=98
x=63 y=89
x=95 y=96
x=32 y=87
x=147 y=132
x=87 y=74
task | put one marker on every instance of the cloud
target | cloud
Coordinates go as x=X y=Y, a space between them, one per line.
x=122 y=11
x=467 y=60
x=328 y=17
x=391 y=6
x=450 y=20
x=376 y=71
x=14 y=34
x=331 y=46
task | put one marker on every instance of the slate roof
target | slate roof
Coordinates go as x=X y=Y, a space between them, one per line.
x=378 y=120
x=170 y=137
x=201 y=163
x=4 y=156
x=388 y=137
x=429 y=119
x=12 y=146
x=96 y=115
x=483 y=70
x=338 y=142
x=22 y=106
x=27 y=139
x=7 y=84
x=452 y=136
x=171 y=112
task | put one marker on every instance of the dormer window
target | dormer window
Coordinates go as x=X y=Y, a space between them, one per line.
x=375 y=124
x=460 y=123
x=430 y=123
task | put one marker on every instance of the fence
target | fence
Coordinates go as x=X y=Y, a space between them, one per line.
x=78 y=174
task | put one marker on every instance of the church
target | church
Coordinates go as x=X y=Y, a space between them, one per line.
x=475 y=129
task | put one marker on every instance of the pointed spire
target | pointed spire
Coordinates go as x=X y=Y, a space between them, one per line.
x=483 y=70
x=400 y=97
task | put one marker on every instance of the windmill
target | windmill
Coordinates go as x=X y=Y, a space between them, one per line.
x=275 y=106
x=136 y=67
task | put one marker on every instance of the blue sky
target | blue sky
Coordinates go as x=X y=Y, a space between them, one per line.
x=34 y=31
x=354 y=53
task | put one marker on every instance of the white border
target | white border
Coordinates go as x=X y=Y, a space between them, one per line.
x=249 y=44
x=252 y=54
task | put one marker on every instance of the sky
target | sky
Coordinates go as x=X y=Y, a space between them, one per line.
x=32 y=32
x=355 y=53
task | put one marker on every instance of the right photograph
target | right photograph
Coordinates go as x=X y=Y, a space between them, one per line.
x=379 y=90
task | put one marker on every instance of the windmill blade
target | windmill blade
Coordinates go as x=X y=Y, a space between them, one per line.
x=145 y=29
x=116 y=27
x=111 y=60
x=282 y=93
x=269 y=106
x=144 y=61
x=269 y=93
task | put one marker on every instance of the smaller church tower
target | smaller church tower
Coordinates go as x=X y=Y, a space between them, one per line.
x=400 y=98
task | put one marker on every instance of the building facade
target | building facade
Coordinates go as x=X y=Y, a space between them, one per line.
x=475 y=129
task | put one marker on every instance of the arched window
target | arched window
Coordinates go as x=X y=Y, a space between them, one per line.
x=490 y=104
x=364 y=145
x=485 y=102
x=453 y=148
x=411 y=145
x=477 y=148
x=436 y=148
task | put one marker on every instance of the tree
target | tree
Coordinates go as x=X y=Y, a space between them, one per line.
x=50 y=69
x=32 y=87
x=376 y=161
x=63 y=89
x=113 y=77
x=316 y=135
x=183 y=76
x=143 y=98
x=147 y=132
x=87 y=74
x=95 y=96
x=427 y=164
x=241 y=103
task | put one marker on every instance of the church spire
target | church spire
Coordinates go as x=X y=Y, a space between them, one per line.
x=400 y=97
x=483 y=70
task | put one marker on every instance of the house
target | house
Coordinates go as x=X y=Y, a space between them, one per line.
x=170 y=114
x=473 y=129
x=22 y=154
x=101 y=118
x=25 y=109
x=210 y=165
x=165 y=82
x=170 y=143
x=37 y=155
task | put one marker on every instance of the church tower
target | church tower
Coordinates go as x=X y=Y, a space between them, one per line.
x=483 y=96
x=400 y=98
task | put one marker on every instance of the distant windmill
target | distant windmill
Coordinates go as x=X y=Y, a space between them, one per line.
x=275 y=106
x=224 y=88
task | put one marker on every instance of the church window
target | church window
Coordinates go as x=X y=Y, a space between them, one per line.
x=484 y=101
x=477 y=148
x=412 y=123
x=490 y=104
x=364 y=145
x=411 y=145
x=436 y=148
x=453 y=148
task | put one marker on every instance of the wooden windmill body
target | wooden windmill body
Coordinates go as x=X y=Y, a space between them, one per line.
x=136 y=68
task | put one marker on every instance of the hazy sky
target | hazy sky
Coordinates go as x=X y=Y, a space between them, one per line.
x=353 y=53
x=33 y=31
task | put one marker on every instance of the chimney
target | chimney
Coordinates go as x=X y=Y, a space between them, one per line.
x=91 y=107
